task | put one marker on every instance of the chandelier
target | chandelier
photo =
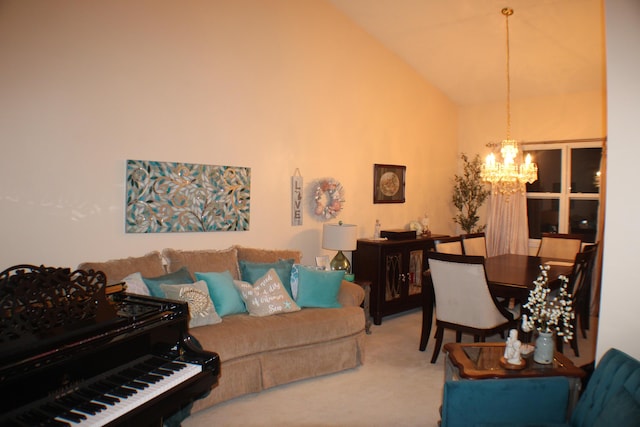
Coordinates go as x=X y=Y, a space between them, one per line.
x=510 y=174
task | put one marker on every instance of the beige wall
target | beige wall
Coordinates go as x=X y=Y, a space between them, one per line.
x=271 y=85
x=619 y=325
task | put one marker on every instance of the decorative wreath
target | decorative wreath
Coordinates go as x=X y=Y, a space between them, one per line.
x=328 y=197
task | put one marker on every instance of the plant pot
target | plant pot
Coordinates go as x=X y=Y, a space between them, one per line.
x=545 y=348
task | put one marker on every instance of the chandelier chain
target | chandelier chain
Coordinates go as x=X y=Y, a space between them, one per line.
x=508 y=12
x=510 y=174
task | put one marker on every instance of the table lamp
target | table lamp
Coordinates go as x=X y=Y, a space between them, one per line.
x=340 y=237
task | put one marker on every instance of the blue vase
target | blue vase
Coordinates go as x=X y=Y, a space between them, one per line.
x=545 y=347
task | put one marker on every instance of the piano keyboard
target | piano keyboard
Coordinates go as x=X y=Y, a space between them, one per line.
x=102 y=401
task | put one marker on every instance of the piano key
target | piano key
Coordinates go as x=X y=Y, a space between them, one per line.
x=108 y=400
x=38 y=418
x=71 y=416
x=59 y=411
x=137 y=385
x=129 y=404
x=150 y=378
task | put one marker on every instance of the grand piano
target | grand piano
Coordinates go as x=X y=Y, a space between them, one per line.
x=74 y=354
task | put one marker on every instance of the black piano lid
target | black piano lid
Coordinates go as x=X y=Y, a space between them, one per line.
x=57 y=327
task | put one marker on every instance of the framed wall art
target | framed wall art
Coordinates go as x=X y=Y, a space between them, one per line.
x=164 y=197
x=388 y=183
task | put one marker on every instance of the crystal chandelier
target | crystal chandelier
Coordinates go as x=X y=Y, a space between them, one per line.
x=511 y=174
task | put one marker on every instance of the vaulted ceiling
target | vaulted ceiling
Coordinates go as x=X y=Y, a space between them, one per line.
x=556 y=46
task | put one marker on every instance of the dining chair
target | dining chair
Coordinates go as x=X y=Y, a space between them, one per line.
x=449 y=245
x=474 y=244
x=463 y=301
x=583 y=310
x=580 y=290
x=559 y=246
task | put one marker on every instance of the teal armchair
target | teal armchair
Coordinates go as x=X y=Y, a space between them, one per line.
x=611 y=398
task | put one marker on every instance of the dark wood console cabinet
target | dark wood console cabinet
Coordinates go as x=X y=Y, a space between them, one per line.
x=395 y=269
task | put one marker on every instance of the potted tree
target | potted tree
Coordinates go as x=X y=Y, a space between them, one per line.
x=469 y=193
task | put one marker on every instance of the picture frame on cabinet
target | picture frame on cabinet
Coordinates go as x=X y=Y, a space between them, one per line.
x=389 y=183
x=322 y=262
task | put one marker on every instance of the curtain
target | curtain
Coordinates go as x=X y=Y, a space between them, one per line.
x=507 y=225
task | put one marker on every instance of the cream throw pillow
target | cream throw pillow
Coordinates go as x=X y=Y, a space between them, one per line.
x=266 y=296
x=196 y=295
x=136 y=285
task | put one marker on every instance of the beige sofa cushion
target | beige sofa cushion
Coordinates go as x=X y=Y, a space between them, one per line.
x=240 y=335
x=267 y=255
x=203 y=261
x=149 y=265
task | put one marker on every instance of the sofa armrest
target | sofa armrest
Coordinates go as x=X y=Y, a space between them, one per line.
x=499 y=402
x=350 y=294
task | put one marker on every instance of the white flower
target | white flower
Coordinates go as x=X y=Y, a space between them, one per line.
x=549 y=314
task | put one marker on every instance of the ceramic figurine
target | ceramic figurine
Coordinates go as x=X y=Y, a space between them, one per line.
x=515 y=353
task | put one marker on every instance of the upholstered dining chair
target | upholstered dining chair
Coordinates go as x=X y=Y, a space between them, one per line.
x=580 y=290
x=463 y=299
x=559 y=246
x=449 y=245
x=584 y=311
x=474 y=244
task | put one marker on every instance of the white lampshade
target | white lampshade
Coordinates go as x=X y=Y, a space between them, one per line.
x=340 y=237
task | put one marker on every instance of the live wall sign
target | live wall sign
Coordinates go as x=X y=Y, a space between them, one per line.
x=296 y=198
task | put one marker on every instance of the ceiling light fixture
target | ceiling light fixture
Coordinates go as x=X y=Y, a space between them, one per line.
x=511 y=174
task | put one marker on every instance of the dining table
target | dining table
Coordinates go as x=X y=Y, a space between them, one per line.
x=513 y=276
x=508 y=276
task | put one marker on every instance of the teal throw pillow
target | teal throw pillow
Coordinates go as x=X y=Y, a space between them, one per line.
x=179 y=277
x=318 y=288
x=252 y=271
x=223 y=293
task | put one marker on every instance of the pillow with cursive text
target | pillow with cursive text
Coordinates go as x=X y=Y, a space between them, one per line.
x=266 y=296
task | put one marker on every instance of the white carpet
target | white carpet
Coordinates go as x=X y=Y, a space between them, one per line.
x=396 y=386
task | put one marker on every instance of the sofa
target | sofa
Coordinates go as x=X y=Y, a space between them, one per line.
x=611 y=398
x=268 y=349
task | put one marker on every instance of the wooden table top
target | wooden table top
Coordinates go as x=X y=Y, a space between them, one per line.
x=512 y=276
x=482 y=360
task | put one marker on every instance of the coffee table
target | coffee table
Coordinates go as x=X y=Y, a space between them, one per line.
x=476 y=361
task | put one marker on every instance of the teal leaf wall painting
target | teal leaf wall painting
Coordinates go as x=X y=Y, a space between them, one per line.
x=165 y=197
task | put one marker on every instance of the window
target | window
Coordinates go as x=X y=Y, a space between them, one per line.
x=566 y=196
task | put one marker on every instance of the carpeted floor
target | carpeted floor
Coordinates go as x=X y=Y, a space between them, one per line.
x=396 y=386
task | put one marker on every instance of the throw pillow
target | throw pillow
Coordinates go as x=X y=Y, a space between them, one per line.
x=224 y=294
x=318 y=288
x=252 y=271
x=196 y=295
x=178 y=277
x=621 y=410
x=295 y=276
x=203 y=260
x=266 y=296
x=136 y=285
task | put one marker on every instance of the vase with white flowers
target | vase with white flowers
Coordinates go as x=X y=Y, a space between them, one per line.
x=548 y=315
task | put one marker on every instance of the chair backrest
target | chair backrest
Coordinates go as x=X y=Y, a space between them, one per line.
x=462 y=294
x=449 y=245
x=474 y=244
x=579 y=273
x=592 y=251
x=559 y=246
